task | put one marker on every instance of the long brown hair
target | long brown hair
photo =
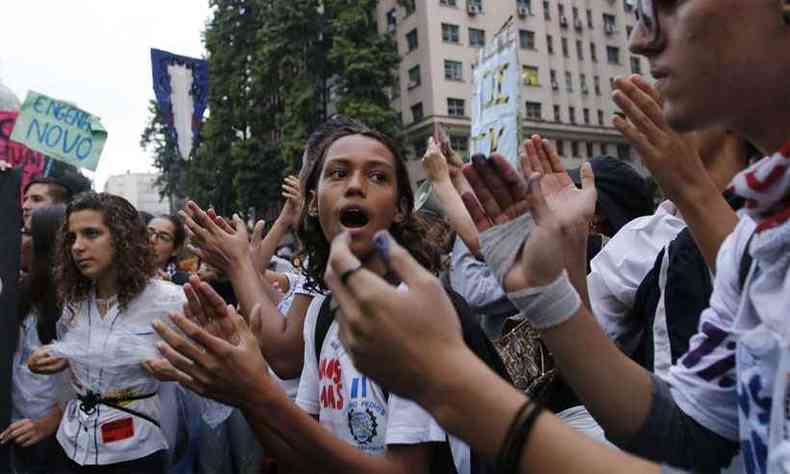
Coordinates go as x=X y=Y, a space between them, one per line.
x=410 y=233
x=132 y=252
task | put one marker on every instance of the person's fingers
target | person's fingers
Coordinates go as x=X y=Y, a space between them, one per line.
x=514 y=185
x=488 y=170
x=482 y=191
x=18 y=429
x=527 y=149
x=28 y=441
x=400 y=261
x=195 y=230
x=183 y=368
x=635 y=137
x=535 y=146
x=476 y=212
x=648 y=89
x=646 y=101
x=212 y=344
x=543 y=157
x=187 y=350
x=194 y=304
x=209 y=296
x=636 y=115
x=227 y=327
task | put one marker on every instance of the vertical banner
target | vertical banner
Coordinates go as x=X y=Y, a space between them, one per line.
x=181 y=88
x=10 y=239
x=496 y=100
x=19 y=156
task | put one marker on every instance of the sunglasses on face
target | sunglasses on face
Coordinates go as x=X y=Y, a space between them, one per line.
x=647 y=15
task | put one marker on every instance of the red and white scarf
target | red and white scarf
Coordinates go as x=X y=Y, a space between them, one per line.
x=766 y=187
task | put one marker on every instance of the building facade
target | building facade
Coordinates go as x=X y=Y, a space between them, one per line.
x=570 y=53
x=140 y=190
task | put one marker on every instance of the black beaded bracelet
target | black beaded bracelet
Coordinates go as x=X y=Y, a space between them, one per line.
x=510 y=453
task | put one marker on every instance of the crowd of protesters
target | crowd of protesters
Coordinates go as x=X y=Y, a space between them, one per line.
x=535 y=319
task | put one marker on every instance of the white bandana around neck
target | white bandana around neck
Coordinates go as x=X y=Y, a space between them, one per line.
x=766 y=188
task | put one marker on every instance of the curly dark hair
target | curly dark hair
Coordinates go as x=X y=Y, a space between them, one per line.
x=411 y=233
x=132 y=251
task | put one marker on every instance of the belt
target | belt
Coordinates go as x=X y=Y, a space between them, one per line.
x=91 y=400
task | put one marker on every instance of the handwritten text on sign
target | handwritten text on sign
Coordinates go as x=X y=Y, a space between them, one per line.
x=17 y=155
x=496 y=99
x=60 y=130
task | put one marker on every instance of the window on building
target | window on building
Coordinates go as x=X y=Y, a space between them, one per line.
x=560 y=147
x=476 y=3
x=557 y=116
x=568 y=81
x=546 y=10
x=604 y=148
x=583 y=83
x=609 y=23
x=416 y=113
x=597 y=85
x=448 y=3
x=411 y=40
x=579 y=50
x=395 y=90
x=392 y=19
x=586 y=113
x=628 y=30
x=636 y=65
x=534 y=110
x=530 y=75
x=574 y=148
x=589 y=19
x=564 y=42
x=593 y=53
x=453 y=70
x=524 y=4
x=550 y=44
x=456 y=107
x=460 y=144
x=613 y=55
x=561 y=9
x=572 y=114
x=624 y=151
x=553 y=78
x=590 y=152
x=600 y=118
x=477 y=38
x=526 y=39
x=450 y=33
x=420 y=147
x=414 y=77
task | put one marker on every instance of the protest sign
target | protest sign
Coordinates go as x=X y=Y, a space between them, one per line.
x=60 y=130
x=496 y=121
x=19 y=156
x=10 y=239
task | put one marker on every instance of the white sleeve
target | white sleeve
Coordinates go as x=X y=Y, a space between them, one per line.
x=307 y=396
x=703 y=381
x=408 y=423
x=618 y=270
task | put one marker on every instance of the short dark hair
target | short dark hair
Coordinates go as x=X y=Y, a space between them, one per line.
x=64 y=187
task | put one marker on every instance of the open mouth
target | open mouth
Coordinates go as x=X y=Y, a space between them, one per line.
x=354 y=217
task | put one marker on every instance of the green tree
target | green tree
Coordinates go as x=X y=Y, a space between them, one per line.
x=157 y=141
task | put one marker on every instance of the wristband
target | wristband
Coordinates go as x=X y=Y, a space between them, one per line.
x=510 y=454
x=500 y=245
x=548 y=306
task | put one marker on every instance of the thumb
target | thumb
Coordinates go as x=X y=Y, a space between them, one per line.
x=399 y=260
x=588 y=177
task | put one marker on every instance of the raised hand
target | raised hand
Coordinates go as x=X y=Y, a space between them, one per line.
x=573 y=207
x=434 y=163
x=386 y=330
x=214 y=367
x=215 y=240
x=672 y=158
x=294 y=201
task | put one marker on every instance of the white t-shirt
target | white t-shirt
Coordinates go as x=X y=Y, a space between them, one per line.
x=32 y=395
x=355 y=408
x=619 y=268
x=108 y=435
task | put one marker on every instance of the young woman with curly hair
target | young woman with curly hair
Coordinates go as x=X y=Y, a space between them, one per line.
x=105 y=269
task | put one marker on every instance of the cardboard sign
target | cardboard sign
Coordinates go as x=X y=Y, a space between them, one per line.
x=32 y=164
x=60 y=130
x=496 y=101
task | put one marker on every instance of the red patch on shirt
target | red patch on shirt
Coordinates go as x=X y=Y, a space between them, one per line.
x=117 y=430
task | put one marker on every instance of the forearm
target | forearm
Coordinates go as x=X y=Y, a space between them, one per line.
x=269 y=244
x=576 y=263
x=457 y=215
x=301 y=441
x=710 y=219
x=478 y=406
x=615 y=390
x=51 y=421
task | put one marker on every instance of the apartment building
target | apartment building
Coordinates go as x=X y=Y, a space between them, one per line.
x=570 y=52
x=140 y=190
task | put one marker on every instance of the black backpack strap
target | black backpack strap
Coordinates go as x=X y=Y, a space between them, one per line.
x=746 y=264
x=325 y=318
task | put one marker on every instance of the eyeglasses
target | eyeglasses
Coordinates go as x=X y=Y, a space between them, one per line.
x=647 y=15
x=163 y=236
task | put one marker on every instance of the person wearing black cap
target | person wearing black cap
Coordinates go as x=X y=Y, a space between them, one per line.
x=623 y=195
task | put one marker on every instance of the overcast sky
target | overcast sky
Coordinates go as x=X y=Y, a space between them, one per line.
x=96 y=54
